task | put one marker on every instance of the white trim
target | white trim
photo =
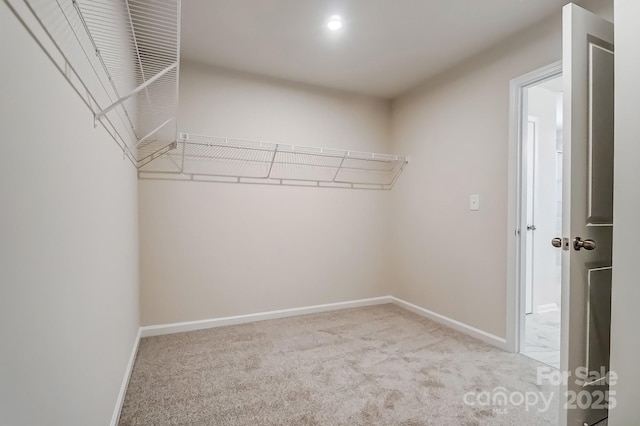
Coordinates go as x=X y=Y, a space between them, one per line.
x=157 y=330
x=451 y=323
x=514 y=208
x=125 y=381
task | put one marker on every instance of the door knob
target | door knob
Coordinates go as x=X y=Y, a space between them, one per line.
x=579 y=243
x=557 y=242
x=531 y=228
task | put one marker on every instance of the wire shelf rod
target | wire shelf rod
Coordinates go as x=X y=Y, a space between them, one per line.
x=177 y=177
x=282 y=179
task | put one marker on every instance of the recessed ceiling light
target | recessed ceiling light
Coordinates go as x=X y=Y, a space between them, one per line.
x=335 y=23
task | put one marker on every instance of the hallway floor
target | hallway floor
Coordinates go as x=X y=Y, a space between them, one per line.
x=542 y=341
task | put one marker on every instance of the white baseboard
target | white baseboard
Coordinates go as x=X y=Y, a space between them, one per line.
x=456 y=325
x=549 y=307
x=125 y=381
x=157 y=330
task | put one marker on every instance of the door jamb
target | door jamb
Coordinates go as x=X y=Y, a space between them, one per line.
x=517 y=104
x=523 y=196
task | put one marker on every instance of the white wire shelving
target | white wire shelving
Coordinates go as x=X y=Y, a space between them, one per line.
x=122 y=58
x=216 y=159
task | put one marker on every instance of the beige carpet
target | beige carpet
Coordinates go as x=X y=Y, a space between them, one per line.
x=378 y=365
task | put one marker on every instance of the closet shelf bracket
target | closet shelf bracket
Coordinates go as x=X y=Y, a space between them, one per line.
x=137 y=90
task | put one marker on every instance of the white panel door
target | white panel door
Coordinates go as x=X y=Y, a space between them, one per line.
x=587 y=210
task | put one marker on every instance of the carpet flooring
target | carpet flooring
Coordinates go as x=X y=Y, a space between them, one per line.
x=379 y=365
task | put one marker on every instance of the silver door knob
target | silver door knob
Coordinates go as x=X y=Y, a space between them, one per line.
x=579 y=244
x=557 y=242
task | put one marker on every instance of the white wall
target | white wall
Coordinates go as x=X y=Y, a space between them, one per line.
x=213 y=249
x=455 y=129
x=449 y=259
x=68 y=248
x=542 y=105
x=625 y=344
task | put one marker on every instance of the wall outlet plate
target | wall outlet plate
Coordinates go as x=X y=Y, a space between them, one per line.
x=474 y=203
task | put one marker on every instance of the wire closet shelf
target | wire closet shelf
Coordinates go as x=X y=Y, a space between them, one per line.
x=122 y=59
x=217 y=159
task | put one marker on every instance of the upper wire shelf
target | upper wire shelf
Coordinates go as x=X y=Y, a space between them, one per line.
x=121 y=57
x=137 y=43
x=208 y=158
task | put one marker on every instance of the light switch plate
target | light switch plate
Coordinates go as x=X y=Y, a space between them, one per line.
x=474 y=203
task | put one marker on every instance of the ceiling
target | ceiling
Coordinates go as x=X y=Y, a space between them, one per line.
x=385 y=48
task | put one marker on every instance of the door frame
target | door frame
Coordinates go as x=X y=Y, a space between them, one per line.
x=516 y=206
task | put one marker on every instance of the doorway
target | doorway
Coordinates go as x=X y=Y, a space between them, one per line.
x=534 y=326
x=541 y=192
